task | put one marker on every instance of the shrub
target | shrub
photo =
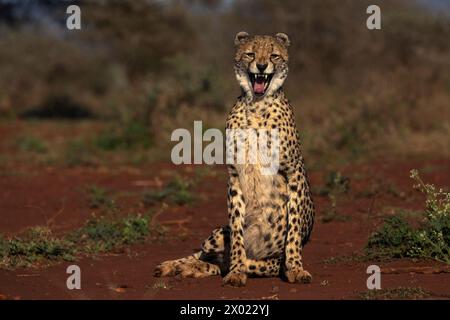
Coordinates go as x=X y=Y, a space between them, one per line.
x=397 y=239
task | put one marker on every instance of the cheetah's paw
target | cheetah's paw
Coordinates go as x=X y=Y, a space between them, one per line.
x=166 y=269
x=298 y=275
x=235 y=279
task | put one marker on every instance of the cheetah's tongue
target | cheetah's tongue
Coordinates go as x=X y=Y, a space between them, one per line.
x=258 y=87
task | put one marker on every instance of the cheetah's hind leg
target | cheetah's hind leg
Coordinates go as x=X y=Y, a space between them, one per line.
x=189 y=267
x=207 y=262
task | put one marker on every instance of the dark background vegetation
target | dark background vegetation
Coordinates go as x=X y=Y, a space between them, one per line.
x=139 y=69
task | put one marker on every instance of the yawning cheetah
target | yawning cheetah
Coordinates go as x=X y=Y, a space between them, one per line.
x=270 y=216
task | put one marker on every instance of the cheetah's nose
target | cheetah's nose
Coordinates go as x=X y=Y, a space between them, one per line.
x=261 y=67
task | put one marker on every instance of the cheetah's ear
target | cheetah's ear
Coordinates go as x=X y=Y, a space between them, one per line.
x=283 y=38
x=241 y=37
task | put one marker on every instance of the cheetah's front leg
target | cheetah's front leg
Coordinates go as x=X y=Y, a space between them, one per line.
x=297 y=206
x=237 y=276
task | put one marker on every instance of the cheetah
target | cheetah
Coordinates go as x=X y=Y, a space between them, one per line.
x=270 y=216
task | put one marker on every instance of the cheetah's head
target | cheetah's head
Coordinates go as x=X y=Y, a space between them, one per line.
x=261 y=63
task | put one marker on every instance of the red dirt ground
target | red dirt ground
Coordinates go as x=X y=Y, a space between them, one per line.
x=57 y=198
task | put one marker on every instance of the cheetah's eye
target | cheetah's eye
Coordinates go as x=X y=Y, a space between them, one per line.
x=250 y=55
x=275 y=56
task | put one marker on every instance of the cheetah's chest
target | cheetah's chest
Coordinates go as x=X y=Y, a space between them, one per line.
x=265 y=198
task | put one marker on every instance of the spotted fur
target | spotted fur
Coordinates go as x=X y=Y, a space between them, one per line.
x=270 y=216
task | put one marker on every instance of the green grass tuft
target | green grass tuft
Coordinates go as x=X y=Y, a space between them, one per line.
x=100 y=234
x=103 y=234
x=31 y=144
x=129 y=136
x=34 y=246
x=178 y=191
x=99 y=198
x=335 y=186
x=335 y=183
x=78 y=153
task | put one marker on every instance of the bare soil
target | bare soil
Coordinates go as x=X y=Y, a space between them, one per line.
x=57 y=197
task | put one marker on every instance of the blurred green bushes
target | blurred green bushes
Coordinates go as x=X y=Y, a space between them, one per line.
x=153 y=64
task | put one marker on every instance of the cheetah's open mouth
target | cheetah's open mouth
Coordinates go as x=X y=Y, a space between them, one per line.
x=260 y=82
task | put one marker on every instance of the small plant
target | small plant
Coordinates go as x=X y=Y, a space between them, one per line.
x=400 y=293
x=103 y=233
x=335 y=186
x=397 y=239
x=335 y=183
x=4 y=248
x=34 y=246
x=177 y=191
x=100 y=234
x=99 y=198
x=31 y=144
x=78 y=153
